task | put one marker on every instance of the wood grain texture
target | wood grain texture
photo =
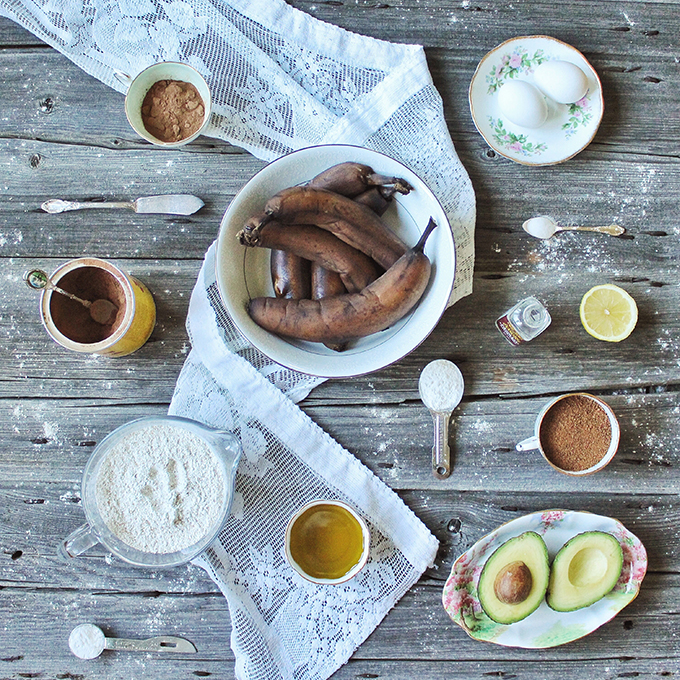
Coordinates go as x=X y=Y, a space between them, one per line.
x=51 y=442
x=55 y=405
x=581 y=362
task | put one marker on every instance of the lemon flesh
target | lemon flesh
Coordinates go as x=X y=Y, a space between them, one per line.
x=608 y=313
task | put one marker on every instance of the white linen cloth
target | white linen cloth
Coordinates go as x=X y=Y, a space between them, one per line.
x=283 y=626
x=281 y=81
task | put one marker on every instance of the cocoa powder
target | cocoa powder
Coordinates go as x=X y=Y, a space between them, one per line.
x=575 y=433
x=73 y=319
x=172 y=110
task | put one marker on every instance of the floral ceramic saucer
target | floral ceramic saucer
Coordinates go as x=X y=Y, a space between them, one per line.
x=544 y=627
x=569 y=128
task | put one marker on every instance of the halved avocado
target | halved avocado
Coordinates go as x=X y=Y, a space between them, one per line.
x=585 y=569
x=514 y=579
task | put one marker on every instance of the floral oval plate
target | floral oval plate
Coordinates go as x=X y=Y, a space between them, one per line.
x=569 y=128
x=544 y=627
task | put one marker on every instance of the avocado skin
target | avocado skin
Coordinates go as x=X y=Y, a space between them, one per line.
x=559 y=572
x=531 y=549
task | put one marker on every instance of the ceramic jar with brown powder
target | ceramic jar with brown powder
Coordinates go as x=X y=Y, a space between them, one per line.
x=168 y=104
x=71 y=325
x=577 y=434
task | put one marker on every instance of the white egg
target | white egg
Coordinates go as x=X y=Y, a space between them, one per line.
x=521 y=103
x=562 y=81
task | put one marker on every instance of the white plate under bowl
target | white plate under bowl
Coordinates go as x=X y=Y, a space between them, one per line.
x=244 y=273
x=544 y=627
x=569 y=128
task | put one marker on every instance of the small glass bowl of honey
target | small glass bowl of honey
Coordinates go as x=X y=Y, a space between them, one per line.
x=327 y=542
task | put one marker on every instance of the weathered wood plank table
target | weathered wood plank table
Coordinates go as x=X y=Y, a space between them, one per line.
x=64 y=134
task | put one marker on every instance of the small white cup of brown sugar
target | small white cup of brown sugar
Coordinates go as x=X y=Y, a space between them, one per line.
x=577 y=434
x=168 y=104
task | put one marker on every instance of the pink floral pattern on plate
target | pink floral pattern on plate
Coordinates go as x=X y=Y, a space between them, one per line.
x=513 y=64
x=569 y=128
x=579 y=115
x=545 y=627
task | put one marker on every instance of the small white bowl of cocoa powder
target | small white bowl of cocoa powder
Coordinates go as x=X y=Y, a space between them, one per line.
x=168 y=104
x=578 y=434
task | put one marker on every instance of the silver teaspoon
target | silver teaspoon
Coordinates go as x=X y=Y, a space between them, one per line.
x=88 y=641
x=101 y=311
x=544 y=227
x=441 y=388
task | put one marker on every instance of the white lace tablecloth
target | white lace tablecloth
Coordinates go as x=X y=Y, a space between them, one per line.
x=283 y=626
x=281 y=81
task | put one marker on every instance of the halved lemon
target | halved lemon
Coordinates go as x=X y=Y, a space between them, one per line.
x=608 y=313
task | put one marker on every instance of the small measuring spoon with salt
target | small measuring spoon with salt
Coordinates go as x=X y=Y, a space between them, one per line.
x=88 y=641
x=441 y=388
x=102 y=311
x=544 y=227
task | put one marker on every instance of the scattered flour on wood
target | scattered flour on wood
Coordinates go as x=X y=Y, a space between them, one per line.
x=160 y=489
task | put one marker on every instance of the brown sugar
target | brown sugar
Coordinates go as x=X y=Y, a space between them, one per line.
x=72 y=318
x=172 y=110
x=575 y=433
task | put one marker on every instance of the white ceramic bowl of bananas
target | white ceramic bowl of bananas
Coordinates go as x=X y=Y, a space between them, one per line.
x=335 y=260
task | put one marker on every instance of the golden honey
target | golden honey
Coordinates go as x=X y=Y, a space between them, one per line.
x=326 y=541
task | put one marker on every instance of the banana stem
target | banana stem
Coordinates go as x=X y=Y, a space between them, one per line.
x=428 y=230
x=397 y=183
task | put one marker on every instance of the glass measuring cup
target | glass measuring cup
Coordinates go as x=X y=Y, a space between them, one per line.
x=223 y=445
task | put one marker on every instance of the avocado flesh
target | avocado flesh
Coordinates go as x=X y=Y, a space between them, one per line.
x=584 y=570
x=528 y=548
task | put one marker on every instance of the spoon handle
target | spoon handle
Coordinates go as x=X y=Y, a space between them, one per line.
x=162 y=643
x=85 y=303
x=611 y=229
x=56 y=205
x=441 y=454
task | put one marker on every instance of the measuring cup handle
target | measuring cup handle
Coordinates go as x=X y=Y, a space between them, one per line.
x=122 y=77
x=441 y=454
x=527 y=444
x=77 y=542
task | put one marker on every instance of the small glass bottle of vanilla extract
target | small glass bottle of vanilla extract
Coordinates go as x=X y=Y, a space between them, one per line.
x=523 y=322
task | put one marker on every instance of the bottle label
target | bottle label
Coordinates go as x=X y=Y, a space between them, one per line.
x=505 y=326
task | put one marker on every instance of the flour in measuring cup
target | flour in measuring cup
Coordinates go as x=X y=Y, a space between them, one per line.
x=441 y=385
x=160 y=489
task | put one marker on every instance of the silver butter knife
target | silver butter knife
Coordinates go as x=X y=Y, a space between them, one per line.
x=170 y=204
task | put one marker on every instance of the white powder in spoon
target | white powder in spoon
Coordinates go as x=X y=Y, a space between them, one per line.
x=160 y=489
x=441 y=386
x=87 y=641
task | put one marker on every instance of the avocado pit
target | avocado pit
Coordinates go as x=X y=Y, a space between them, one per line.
x=513 y=583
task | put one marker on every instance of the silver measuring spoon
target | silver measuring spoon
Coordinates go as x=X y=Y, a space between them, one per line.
x=545 y=227
x=101 y=311
x=441 y=388
x=88 y=641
